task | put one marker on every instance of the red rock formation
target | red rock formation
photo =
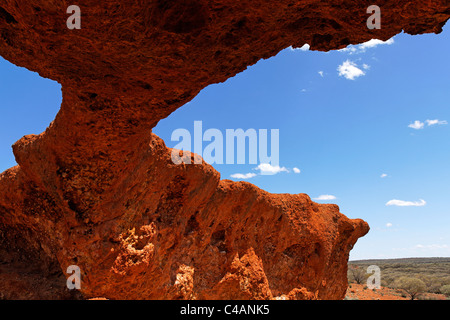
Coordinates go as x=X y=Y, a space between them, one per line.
x=97 y=189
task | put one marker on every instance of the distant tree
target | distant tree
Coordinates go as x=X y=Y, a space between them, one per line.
x=446 y=290
x=433 y=283
x=357 y=274
x=412 y=286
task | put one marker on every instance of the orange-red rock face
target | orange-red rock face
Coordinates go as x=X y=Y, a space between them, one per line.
x=97 y=189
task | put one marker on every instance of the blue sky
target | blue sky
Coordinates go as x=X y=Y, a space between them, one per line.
x=345 y=119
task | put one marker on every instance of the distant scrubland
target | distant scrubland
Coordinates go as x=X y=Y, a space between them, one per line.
x=411 y=276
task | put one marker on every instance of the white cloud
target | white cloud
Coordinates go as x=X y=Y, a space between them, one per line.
x=321 y=73
x=383 y=175
x=305 y=47
x=267 y=168
x=325 y=197
x=264 y=169
x=416 y=125
x=365 y=66
x=243 y=176
x=350 y=70
x=355 y=49
x=401 y=203
x=436 y=121
x=388 y=224
x=420 y=125
x=374 y=43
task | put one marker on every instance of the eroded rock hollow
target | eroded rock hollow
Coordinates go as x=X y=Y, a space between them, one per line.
x=98 y=190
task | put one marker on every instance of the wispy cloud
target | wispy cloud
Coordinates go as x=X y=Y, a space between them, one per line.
x=243 y=175
x=436 y=249
x=360 y=48
x=349 y=70
x=383 y=175
x=417 y=125
x=432 y=246
x=401 y=203
x=388 y=225
x=436 y=122
x=325 y=197
x=296 y=170
x=320 y=73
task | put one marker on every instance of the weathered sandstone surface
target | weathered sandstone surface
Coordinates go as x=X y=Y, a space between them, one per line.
x=98 y=190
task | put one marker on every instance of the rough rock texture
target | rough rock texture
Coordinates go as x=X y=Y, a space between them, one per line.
x=97 y=189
